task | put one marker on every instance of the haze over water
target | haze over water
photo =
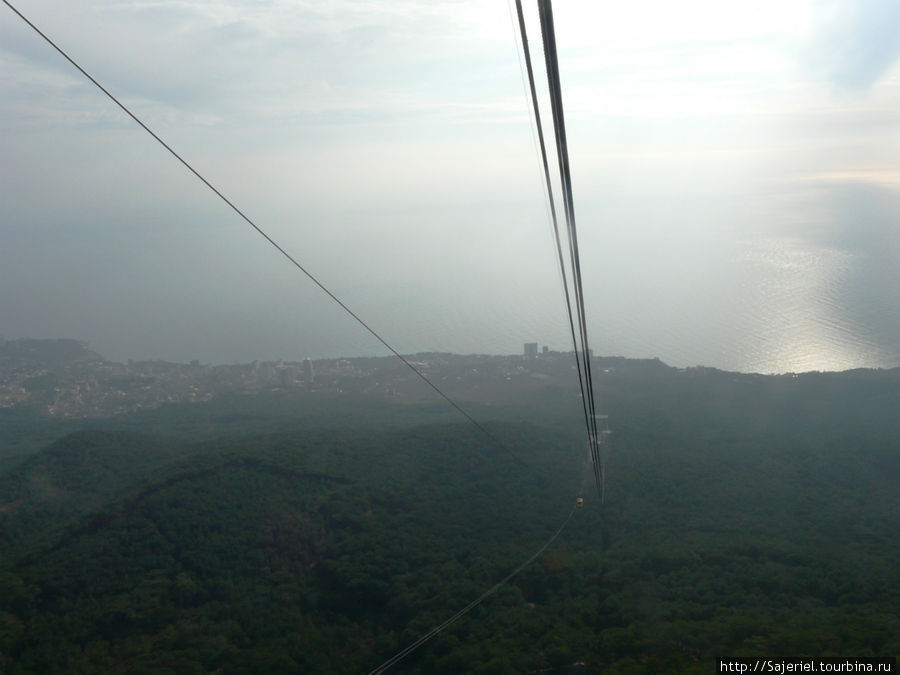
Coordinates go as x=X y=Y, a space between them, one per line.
x=793 y=307
x=734 y=168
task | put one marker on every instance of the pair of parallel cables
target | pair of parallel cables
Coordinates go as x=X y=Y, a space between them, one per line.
x=592 y=421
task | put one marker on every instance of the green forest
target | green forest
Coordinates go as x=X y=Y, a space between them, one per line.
x=745 y=515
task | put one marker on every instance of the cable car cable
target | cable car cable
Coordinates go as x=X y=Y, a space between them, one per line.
x=403 y=653
x=552 y=66
x=543 y=149
x=583 y=371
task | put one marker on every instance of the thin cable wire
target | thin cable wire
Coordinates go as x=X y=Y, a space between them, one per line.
x=269 y=239
x=533 y=127
x=552 y=65
x=549 y=38
x=403 y=653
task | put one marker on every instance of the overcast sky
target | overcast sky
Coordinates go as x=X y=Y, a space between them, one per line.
x=735 y=170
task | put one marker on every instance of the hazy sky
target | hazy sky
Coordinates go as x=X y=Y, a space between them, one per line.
x=736 y=172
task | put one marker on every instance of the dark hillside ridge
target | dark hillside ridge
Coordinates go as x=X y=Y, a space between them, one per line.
x=71 y=476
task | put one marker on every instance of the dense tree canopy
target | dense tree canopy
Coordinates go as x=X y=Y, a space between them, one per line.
x=744 y=516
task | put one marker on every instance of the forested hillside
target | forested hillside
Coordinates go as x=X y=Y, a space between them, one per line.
x=745 y=515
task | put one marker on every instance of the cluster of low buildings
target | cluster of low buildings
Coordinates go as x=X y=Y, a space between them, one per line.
x=98 y=388
x=82 y=384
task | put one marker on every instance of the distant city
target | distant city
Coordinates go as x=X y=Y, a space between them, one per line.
x=63 y=378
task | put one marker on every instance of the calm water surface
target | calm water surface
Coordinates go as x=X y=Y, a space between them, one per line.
x=813 y=308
